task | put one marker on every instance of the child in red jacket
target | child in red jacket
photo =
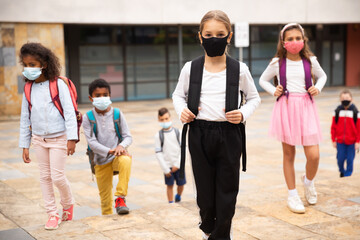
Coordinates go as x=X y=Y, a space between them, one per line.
x=345 y=132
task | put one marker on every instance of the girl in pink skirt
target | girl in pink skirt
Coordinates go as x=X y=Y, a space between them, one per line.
x=295 y=119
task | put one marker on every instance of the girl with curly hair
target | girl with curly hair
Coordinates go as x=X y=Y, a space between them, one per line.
x=53 y=135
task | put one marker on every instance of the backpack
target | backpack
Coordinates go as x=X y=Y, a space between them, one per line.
x=231 y=100
x=352 y=107
x=92 y=120
x=282 y=73
x=161 y=136
x=54 y=94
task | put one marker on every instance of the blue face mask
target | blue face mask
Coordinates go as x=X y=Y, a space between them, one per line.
x=101 y=103
x=165 y=125
x=32 y=73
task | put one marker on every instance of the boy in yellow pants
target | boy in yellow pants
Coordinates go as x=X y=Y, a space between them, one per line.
x=108 y=137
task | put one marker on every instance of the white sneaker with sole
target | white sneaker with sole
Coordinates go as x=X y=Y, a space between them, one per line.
x=295 y=204
x=309 y=191
x=205 y=236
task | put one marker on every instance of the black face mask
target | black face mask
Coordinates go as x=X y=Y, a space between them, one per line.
x=214 y=46
x=345 y=103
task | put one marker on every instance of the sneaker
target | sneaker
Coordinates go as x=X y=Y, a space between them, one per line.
x=205 y=236
x=53 y=222
x=120 y=205
x=177 y=198
x=68 y=213
x=310 y=192
x=295 y=204
x=341 y=175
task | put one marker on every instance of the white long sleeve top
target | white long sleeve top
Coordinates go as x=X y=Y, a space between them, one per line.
x=169 y=155
x=213 y=91
x=45 y=119
x=295 y=76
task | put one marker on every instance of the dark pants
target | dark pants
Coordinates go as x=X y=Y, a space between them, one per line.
x=345 y=153
x=215 y=149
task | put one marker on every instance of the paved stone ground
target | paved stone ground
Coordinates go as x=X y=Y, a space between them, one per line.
x=261 y=209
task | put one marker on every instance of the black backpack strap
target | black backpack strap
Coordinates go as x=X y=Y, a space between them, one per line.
x=183 y=151
x=196 y=74
x=337 y=113
x=161 y=137
x=355 y=113
x=232 y=84
x=177 y=133
x=232 y=99
x=355 y=116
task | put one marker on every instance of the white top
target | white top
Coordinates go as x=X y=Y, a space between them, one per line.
x=213 y=90
x=295 y=76
x=45 y=119
x=170 y=154
x=107 y=137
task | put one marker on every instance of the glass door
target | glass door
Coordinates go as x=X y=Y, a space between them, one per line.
x=333 y=54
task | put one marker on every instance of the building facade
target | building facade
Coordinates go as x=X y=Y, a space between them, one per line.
x=141 y=46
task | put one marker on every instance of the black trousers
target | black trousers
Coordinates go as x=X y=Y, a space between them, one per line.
x=215 y=149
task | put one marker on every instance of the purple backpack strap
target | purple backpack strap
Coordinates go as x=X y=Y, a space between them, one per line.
x=282 y=73
x=307 y=68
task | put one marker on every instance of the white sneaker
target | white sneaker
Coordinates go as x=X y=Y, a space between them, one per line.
x=205 y=236
x=295 y=204
x=310 y=192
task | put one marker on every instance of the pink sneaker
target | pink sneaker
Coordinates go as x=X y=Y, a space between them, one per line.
x=53 y=222
x=68 y=213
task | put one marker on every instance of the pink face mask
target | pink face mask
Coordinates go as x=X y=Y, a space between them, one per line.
x=294 y=47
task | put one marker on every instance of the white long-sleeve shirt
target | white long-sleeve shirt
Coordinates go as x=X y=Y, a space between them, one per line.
x=45 y=119
x=295 y=76
x=213 y=91
x=169 y=155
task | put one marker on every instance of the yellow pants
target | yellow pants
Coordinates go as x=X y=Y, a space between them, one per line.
x=104 y=177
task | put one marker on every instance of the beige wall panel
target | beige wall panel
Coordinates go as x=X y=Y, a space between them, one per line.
x=2 y=79
x=17 y=34
x=10 y=75
x=178 y=12
x=20 y=39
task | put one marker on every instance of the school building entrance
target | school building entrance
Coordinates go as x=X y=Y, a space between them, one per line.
x=144 y=62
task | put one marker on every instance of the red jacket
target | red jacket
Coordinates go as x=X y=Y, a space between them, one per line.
x=345 y=130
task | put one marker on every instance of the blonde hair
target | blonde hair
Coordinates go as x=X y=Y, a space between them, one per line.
x=346 y=91
x=217 y=15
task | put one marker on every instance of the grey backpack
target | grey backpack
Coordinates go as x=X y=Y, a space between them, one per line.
x=161 y=136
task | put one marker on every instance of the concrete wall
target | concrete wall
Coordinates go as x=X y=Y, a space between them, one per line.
x=353 y=55
x=12 y=37
x=178 y=12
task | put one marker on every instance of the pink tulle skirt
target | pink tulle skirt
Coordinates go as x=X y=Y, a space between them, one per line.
x=295 y=120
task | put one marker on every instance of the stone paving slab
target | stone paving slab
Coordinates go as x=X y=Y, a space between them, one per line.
x=15 y=234
x=261 y=211
x=6 y=224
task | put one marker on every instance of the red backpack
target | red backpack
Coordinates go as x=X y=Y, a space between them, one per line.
x=54 y=94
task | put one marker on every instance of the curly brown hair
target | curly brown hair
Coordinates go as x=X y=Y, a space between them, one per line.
x=45 y=56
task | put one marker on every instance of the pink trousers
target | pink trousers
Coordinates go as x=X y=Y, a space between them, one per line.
x=51 y=155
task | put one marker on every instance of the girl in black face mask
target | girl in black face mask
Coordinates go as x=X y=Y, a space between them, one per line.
x=207 y=86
